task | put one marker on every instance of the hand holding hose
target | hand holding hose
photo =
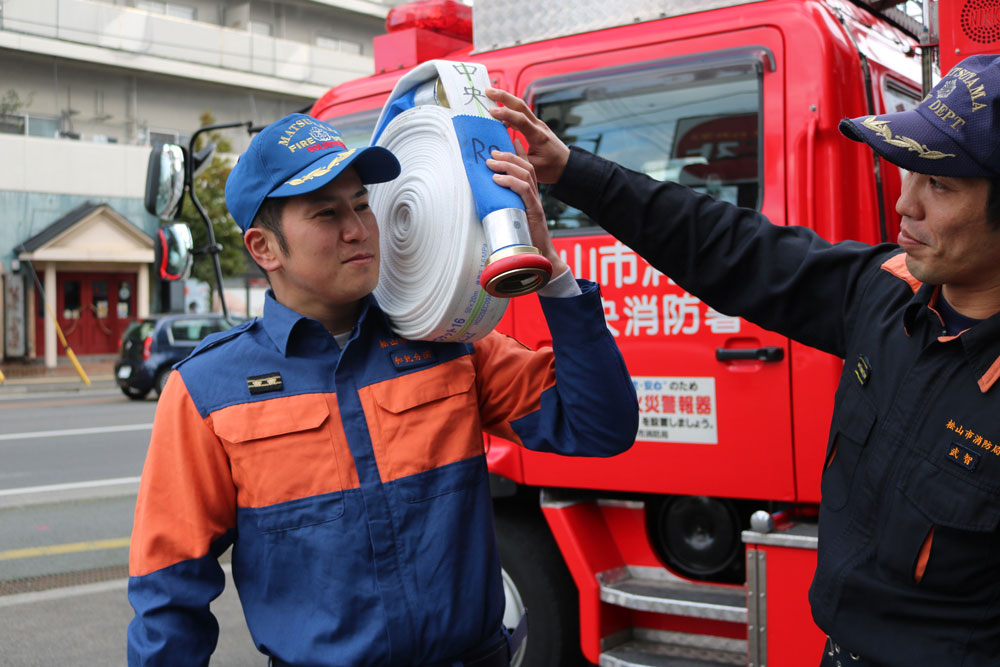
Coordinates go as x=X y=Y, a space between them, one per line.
x=546 y=152
x=517 y=173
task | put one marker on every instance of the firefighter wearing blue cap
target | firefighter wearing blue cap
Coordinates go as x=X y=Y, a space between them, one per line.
x=909 y=526
x=343 y=464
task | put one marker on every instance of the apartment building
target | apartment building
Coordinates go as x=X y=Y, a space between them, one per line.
x=86 y=87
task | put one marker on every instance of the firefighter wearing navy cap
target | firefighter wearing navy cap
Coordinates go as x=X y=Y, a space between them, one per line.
x=909 y=527
x=343 y=464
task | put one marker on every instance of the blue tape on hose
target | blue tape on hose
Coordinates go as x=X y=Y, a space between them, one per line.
x=477 y=137
x=405 y=101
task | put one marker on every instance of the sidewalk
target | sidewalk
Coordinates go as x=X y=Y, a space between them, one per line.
x=33 y=376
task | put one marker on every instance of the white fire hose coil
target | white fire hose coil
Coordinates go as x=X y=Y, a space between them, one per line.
x=451 y=251
x=433 y=246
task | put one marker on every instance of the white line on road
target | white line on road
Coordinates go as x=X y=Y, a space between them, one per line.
x=76 y=431
x=48 y=488
x=72 y=591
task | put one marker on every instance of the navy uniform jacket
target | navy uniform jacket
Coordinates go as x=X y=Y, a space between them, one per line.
x=352 y=483
x=909 y=548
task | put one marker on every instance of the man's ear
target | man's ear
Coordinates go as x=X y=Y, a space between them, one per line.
x=263 y=248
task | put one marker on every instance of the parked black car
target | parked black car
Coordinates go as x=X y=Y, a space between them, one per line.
x=151 y=346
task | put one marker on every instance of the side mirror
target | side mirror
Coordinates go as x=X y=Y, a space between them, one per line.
x=174 y=244
x=165 y=181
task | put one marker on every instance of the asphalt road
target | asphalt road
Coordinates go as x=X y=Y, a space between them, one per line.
x=69 y=468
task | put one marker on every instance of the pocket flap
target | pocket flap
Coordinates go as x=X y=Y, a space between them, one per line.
x=441 y=381
x=266 y=419
x=947 y=500
x=855 y=416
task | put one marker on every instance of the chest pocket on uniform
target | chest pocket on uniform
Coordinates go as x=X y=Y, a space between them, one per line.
x=964 y=516
x=853 y=422
x=283 y=460
x=426 y=421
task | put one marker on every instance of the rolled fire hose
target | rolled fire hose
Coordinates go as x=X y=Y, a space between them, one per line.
x=454 y=245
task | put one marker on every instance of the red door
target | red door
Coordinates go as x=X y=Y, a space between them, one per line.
x=92 y=309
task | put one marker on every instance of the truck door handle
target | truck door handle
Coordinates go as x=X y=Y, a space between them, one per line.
x=771 y=353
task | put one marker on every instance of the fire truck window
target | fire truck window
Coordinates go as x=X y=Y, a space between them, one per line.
x=100 y=297
x=71 y=299
x=697 y=127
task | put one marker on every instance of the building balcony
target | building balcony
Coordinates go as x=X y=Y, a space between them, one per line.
x=136 y=39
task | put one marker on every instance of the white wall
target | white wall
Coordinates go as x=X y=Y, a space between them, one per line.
x=32 y=164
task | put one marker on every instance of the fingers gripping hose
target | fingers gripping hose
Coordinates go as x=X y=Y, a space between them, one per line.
x=452 y=240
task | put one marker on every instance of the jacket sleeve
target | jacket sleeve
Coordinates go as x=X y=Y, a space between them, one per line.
x=783 y=278
x=575 y=398
x=184 y=519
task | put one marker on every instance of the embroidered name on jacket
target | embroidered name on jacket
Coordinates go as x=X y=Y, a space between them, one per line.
x=963 y=456
x=411 y=358
x=261 y=384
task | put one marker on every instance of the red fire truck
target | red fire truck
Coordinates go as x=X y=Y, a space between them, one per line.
x=696 y=547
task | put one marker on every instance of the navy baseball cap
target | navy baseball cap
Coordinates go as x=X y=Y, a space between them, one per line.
x=296 y=155
x=954 y=131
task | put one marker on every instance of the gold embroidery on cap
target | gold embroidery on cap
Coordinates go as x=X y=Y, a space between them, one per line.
x=316 y=173
x=880 y=127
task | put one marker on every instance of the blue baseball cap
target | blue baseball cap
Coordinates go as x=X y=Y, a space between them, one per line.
x=296 y=155
x=954 y=131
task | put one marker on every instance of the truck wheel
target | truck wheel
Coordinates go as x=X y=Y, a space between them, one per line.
x=536 y=579
x=698 y=537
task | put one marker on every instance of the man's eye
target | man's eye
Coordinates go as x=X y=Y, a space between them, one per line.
x=362 y=207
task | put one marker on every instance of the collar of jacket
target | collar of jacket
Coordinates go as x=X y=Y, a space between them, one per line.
x=284 y=326
x=981 y=343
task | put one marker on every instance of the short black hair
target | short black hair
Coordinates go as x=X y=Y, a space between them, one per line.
x=993 y=204
x=269 y=217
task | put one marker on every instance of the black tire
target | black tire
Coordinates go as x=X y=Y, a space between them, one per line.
x=699 y=537
x=534 y=568
x=161 y=381
x=134 y=394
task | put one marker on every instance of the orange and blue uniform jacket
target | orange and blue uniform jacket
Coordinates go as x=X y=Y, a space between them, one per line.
x=909 y=523
x=352 y=484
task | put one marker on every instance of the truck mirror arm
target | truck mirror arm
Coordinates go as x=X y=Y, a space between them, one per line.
x=212 y=248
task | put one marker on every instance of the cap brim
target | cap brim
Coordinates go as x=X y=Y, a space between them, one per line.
x=910 y=141
x=374 y=164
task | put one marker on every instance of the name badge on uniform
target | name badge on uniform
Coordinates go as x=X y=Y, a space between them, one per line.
x=404 y=358
x=963 y=456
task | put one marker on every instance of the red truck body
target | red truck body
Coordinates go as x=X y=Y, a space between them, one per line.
x=740 y=99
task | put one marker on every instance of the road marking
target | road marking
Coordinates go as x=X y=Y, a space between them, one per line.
x=76 y=431
x=82 y=589
x=70 y=548
x=47 y=488
x=55 y=404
